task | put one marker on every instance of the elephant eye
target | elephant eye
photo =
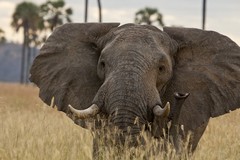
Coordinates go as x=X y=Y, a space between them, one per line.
x=101 y=69
x=161 y=68
x=102 y=64
x=94 y=46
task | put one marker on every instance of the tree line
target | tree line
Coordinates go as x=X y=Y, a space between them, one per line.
x=35 y=22
x=2 y=37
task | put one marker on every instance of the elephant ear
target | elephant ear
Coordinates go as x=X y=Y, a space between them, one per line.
x=66 y=67
x=207 y=65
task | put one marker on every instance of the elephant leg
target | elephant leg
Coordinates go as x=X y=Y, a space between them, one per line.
x=197 y=134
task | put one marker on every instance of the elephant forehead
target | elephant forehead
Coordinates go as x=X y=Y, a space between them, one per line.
x=146 y=40
x=145 y=35
x=139 y=32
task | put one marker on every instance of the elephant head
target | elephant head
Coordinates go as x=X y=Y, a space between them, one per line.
x=132 y=71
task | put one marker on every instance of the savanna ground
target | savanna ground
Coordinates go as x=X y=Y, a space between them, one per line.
x=31 y=130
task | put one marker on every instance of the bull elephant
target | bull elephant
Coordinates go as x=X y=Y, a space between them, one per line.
x=133 y=71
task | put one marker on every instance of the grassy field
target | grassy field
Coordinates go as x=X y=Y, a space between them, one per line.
x=31 y=130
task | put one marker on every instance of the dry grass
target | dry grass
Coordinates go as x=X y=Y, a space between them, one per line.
x=30 y=130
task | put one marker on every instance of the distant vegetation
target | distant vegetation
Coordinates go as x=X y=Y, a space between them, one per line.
x=35 y=22
x=38 y=20
x=10 y=61
x=2 y=37
x=149 y=16
x=54 y=13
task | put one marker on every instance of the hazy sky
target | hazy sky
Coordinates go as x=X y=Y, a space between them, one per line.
x=222 y=15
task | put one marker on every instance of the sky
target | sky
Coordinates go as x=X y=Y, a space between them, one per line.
x=222 y=15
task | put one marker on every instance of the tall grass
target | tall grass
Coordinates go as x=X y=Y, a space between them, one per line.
x=31 y=130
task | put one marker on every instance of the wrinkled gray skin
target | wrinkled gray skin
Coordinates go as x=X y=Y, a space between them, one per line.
x=127 y=70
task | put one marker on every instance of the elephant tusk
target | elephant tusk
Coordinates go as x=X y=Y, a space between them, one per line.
x=163 y=112
x=86 y=113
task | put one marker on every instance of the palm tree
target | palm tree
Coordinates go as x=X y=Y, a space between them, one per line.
x=86 y=11
x=2 y=37
x=54 y=13
x=149 y=16
x=100 y=10
x=26 y=16
x=204 y=14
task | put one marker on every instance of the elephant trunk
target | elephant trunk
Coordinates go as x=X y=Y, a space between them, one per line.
x=175 y=130
x=129 y=129
x=130 y=125
x=127 y=110
x=178 y=103
x=127 y=107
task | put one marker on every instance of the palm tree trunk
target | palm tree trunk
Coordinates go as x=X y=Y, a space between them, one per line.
x=23 y=57
x=54 y=22
x=100 y=10
x=86 y=11
x=34 y=52
x=204 y=15
x=28 y=62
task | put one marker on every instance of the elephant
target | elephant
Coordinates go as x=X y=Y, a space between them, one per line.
x=121 y=73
